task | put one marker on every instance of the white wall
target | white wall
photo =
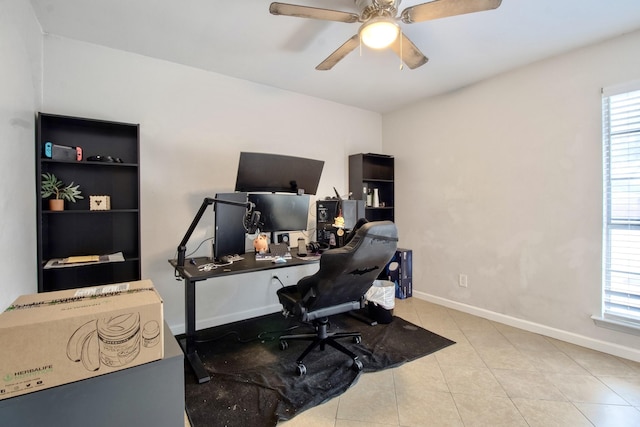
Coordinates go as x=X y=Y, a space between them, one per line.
x=502 y=181
x=193 y=126
x=20 y=89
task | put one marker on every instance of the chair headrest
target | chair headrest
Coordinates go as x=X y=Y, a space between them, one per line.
x=380 y=230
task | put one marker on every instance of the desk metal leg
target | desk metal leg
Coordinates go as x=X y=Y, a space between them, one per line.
x=188 y=344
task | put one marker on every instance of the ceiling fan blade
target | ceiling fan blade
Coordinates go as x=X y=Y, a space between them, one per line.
x=339 y=53
x=443 y=8
x=409 y=52
x=312 y=12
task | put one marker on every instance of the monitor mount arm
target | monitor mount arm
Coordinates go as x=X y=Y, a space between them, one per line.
x=251 y=222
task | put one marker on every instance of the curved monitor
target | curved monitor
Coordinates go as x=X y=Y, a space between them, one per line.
x=281 y=212
x=276 y=173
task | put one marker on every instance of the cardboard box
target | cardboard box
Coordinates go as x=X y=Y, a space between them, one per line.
x=404 y=289
x=400 y=271
x=55 y=338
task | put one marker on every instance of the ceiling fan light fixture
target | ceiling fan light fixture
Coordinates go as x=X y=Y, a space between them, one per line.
x=379 y=32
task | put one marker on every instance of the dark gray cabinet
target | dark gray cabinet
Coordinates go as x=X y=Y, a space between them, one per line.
x=78 y=230
x=151 y=394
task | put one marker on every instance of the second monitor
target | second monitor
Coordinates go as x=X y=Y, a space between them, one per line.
x=281 y=212
x=229 y=226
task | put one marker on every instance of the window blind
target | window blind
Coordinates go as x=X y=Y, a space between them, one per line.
x=621 y=128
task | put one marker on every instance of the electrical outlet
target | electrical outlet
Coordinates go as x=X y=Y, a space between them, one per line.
x=462 y=280
x=280 y=275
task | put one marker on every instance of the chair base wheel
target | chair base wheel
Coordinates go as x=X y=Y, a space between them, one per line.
x=301 y=369
x=357 y=365
x=284 y=345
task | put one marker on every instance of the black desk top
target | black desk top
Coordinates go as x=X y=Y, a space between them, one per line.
x=246 y=265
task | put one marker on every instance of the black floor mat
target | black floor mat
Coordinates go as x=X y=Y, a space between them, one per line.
x=253 y=382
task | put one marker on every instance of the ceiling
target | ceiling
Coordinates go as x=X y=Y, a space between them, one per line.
x=242 y=39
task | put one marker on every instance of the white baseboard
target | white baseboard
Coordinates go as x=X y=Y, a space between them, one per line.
x=227 y=318
x=581 y=340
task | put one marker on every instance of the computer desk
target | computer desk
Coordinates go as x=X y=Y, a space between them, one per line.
x=191 y=275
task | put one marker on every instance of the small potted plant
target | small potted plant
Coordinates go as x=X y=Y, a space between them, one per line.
x=52 y=186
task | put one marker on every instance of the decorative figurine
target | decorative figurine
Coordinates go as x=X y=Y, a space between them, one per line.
x=261 y=243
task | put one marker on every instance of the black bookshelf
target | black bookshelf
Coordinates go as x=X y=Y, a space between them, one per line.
x=78 y=230
x=373 y=171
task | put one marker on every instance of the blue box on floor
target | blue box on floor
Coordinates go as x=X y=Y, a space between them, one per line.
x=399 y=271
x=404 y=289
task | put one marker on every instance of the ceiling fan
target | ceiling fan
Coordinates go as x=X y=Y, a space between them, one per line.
x=380 y=29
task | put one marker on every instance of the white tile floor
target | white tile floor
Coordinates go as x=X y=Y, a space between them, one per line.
x=494 y=375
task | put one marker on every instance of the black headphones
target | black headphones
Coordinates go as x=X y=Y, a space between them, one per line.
x=317 y=247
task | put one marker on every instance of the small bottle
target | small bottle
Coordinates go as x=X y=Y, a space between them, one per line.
x=376 y=198
x=369 y=198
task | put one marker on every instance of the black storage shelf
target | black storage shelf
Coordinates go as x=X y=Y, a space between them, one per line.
x=373 y=171
x=78 y=230
x=83 y=212
x=92 y=164
x=76 y=210
x=379 y=214
x=91 y=275
x=375 y=180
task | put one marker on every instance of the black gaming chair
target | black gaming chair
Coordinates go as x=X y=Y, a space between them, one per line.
x=344 y=276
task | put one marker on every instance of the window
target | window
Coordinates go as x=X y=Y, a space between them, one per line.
x=621 y=276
